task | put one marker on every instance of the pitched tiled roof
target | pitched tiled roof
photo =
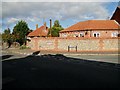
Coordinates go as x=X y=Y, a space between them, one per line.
x=42 y=31
x=93 y=25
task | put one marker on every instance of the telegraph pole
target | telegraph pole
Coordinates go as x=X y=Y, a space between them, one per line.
x=50 y=27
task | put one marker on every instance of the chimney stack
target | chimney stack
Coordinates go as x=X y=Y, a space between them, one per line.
x=36 y=26
x=45 y=24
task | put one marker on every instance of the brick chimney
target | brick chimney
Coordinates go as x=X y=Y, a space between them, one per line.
x=45 y=27
x=45 y=24
x=36 y=26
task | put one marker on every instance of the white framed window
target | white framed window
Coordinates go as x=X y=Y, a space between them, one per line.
x=96 y=34
x=75 y=35
x=114 y=34
x=64 y=35
x=81 y=34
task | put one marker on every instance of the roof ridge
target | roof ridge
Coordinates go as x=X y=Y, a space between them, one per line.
x=92 y=24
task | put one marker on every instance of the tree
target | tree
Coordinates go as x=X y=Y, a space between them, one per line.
x=56 y=24
x=55 y=29
x=20 y=31
x=29 y=31
x=6 y=37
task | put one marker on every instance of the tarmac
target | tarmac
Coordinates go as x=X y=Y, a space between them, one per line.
x=35 y=69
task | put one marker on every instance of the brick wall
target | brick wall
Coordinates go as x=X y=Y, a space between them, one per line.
x=83 y=44
x=103 y=33
x=80 y=43
x=111 y=44
x=46 y=44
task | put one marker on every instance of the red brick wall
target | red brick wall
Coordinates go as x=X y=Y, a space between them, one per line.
x=103 y=33
x=83 y=44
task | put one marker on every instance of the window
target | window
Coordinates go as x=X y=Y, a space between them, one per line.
x=96 y=34
x=114 y=34
x=118 y=35
x=64 y=35
x=75 y=35
x=81 y=35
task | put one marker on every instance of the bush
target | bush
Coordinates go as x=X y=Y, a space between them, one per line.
x=24 y=47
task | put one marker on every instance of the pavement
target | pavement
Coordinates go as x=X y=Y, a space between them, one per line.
x=29 y=52
x=111 y=57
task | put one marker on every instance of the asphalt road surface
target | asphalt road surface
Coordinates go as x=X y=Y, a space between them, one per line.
x=57 y=71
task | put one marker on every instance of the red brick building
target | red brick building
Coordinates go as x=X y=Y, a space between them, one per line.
x=39 y=32
x=92 y=28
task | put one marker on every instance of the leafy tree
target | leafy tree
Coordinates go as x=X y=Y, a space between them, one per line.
x=56 y=24
x=55 y=29
x=29 y=31
x=6 y=37
x=20 y=31
x=0 y=37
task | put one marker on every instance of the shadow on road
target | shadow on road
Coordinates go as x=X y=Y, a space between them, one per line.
x=6 y=56
x=36 y=53
x=58 y=71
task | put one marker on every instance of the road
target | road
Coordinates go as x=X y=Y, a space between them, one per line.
x=57 y=71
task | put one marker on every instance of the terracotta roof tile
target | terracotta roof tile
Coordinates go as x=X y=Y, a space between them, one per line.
x=42 y=31
x=93 y=24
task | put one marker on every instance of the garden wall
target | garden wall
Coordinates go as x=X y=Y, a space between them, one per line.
x=74 y=44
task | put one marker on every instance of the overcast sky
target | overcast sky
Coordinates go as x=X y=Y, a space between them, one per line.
x=67 y=13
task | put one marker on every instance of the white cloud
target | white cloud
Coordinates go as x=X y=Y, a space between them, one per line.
x=32 y=19
x=54 y=10
x=37 y=11
x=12 y=20
x=0 y=9
x=60 y=0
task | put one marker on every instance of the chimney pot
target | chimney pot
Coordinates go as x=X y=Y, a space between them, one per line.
x=36 y=26
x=45 y=24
